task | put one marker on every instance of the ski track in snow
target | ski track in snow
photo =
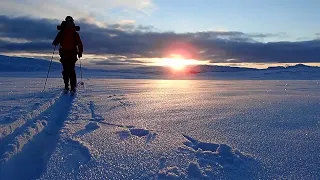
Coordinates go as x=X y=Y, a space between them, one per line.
x=21 y=126
x=36 y=138
x=9 y=128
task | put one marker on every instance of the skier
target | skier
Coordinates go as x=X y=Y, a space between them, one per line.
x=70 y=46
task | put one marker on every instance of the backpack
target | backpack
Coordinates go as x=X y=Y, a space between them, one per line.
x=68 y=42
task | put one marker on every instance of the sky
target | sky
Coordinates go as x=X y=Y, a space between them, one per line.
x=251 y=33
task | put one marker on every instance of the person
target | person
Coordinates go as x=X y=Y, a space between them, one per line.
x=70 y=46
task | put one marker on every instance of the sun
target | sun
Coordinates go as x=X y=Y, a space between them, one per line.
x=175 y=61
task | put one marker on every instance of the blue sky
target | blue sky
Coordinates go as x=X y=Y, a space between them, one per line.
x=296 y=18
x=216 y=31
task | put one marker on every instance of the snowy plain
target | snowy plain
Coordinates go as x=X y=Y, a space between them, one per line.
x=158 y=129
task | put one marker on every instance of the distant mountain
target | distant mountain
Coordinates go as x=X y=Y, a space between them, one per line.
x=276 y=68
x=297 y=66
x=299 y=71
x=197 y=69
x=212 y=68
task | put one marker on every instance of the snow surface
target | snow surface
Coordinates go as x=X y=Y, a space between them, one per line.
x=132 y=124
x=159 y=129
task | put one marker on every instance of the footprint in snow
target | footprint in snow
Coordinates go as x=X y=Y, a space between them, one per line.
x=120 y=98
x=88 y=128
x=221 y=154
x=131 y=131
x=79 y=149
x=92 y=126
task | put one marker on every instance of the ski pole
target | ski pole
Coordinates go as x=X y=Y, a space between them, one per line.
x=80 y=71
x=49 y=68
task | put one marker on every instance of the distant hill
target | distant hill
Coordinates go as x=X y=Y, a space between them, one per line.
x=299 y=71
x=22 y=64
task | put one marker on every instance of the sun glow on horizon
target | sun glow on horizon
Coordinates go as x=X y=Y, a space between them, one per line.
x=177 y=62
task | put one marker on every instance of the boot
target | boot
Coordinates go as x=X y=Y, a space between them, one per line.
x=73 y=79
x=73 y=90
x=66 y=88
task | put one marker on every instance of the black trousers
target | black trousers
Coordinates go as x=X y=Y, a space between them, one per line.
x=69 y=73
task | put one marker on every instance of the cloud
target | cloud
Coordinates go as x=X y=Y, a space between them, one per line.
x=27 y=28
x=130 y=41
x=273 y=52
x=97 y=9
x=39 y=8
x=127 y=21
x=118 y=62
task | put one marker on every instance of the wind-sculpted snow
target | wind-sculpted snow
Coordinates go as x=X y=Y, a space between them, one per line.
x=209 y=160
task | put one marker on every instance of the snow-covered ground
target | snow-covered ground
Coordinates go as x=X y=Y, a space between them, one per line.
x=160 y=129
